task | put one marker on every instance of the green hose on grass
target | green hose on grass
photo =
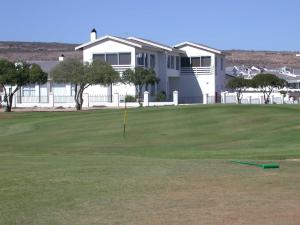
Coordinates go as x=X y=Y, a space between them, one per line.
x=264 y=166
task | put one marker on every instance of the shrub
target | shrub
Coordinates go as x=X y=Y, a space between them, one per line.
x=130 y=98
x=161 y=96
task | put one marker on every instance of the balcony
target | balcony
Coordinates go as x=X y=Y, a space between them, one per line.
x=198 y=71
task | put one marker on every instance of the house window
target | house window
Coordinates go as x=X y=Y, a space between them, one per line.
x=100 y=57
x=172 y=62
x=222 y=63
x=124 y=58
x=169 y=62
x=140 y=59
x=152 y=61
x=195 y=61
x=185 y=62
x=112 y=59
x=146 y=60
x=206 y=61
x=177 y=63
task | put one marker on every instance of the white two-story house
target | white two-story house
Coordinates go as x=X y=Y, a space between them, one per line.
x=195 y=70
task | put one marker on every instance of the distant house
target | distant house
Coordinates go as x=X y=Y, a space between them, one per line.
x=196 y=71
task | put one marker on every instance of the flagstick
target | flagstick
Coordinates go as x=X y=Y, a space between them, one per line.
x=125 y=117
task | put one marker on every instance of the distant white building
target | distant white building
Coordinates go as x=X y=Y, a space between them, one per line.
x=196 y=71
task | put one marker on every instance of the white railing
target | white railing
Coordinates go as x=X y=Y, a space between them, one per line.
x=32 y=99
x=100 y=98
x=63 y=99
x=197 y=70
x=122 y=68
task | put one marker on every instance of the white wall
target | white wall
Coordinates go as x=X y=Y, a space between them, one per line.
x=220 y=73
x=198 y=86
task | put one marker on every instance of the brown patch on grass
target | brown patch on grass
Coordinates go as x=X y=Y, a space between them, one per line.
x=5 y=116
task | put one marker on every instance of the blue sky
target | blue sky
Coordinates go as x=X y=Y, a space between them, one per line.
x=223 y=24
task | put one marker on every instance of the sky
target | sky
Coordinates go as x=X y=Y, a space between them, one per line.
x=223 y=24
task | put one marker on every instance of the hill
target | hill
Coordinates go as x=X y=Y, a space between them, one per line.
x=51 y=51
x=36 y=51
x=272 y=59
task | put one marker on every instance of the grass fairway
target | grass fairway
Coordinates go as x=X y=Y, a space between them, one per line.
x=75 y=168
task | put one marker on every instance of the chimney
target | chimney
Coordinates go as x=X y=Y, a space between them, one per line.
x=61 y=58
x=93 y=35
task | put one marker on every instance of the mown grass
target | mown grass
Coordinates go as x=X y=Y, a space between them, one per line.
x=171 y=168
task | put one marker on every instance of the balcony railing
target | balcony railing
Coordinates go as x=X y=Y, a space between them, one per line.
x=197 y=70
x=122 y=68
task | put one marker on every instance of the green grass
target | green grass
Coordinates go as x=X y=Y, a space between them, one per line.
x=201 y=132
x=171 y=168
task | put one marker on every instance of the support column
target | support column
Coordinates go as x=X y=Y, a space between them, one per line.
x=205 y=99
x=272 y=99
x=175 y=98
x=51 y=99
x=223 y=98
x=86 y=100
x=146 y=99
x=116 y=99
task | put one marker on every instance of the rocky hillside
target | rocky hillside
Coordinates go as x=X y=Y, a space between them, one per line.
x=51 y=51
x=267 y=59
x=36 y=51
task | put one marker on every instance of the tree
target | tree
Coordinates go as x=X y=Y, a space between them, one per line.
x=16 y=75
x=238 y=85
x=140 y=77
x=267 y=83
x=82 y=75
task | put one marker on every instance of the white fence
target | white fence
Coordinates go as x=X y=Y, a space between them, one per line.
x=115 y=100
x=256 y=98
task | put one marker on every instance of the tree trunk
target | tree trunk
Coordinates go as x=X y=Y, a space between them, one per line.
x=140 y=95
x=9 y=98
x=238 y=96
x=78 y=106
x=9 y=103
x=78 y=98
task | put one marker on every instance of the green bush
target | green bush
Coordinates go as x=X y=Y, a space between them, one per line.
x=161 y=96
x=130 y=98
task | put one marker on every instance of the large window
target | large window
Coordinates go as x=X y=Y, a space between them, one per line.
x=152 y=61
x=171 y=62
x=206 y=61
x=114 y=58
x=100 y=57
x=140 y=59
x=185 y=62
x=124 y=58
x=195 y=61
